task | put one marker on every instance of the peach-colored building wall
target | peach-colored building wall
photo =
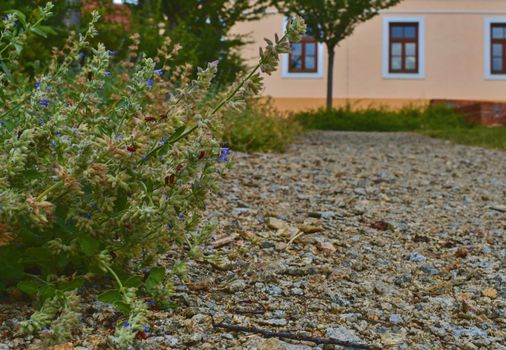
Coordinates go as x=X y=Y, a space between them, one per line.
x=454 y=55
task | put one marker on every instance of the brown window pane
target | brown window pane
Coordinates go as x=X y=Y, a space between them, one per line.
x=310 y=63
x=396 y=63
x=397 y=32
x=497 y=50
x=409 y=32
x=396 y=49
x=498 y=32
x=410 y=49
x=497 y=64
x=410 y=62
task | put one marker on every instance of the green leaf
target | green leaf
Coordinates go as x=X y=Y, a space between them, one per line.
x=38 y=31
x=123 y=307
x=75 y=284
x=18 y=47
x=48 y=30
x=132 y=282
x=111 y=296
x=89 y=245
x=30 y=287
x=156 y=276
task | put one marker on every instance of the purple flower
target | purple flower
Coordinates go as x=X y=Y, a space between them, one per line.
x=150 y=82
x=37 y=85
x=159 y=72
x=44 y=103
x=180 y=216
x=58 y=132
x=53 y=143
x=146 y=329
x=120 y=137
x=107 y=74
x=81 y=54
x=126 y=324
x=88 y=216
x=224 y=153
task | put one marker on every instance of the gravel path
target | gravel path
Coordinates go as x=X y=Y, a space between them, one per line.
x=393 y=240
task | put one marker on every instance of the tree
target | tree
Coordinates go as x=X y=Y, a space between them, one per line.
x=331 y=21
x=202 y=27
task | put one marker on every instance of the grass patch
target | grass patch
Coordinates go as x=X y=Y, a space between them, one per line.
x=259 y=128
x=439 y=121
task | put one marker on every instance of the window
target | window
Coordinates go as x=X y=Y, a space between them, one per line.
x=498 y=48
x=305 y=59
x=404 y=47
x=495 y=48
x=304 y=56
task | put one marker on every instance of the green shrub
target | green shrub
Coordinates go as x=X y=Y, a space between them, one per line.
x=104 y=168
x=259 y=128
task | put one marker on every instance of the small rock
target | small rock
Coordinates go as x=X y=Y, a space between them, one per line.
x=395 y=319
x=297 y=291
x=274 y=322
x=342 y=333
x=416 y=257
x=462 y=252
x=326 y=247
x=490 y=293
x=275 y=223
x=310 y=228
x=431 y=270
x=236 y=286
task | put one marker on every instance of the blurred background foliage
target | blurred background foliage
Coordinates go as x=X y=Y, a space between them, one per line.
x=201 y=27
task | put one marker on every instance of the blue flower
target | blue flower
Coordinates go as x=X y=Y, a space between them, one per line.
x=88 y=216
x=111 y=53
x=41 y=122
x=37 y=85
x=49 y=87
x=180 y=216
x=224 y=153
x=170 y=227
x=81 y=54
x=44 y=102
x=120 y=137
x=146 y=329
x=58 y=132
x=53 y=143
x=126 y=324
x=107 y=74
x=150 y=82
x=159 y=72
x=161 y=142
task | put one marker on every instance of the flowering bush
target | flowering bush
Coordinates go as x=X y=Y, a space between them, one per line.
x=104 y=168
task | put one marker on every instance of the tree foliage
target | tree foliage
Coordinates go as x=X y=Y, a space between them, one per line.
x=331 y=21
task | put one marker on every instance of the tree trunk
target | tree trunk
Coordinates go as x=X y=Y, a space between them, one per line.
x=330 y=77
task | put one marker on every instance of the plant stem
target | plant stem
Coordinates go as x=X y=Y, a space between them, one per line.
x=49 y=190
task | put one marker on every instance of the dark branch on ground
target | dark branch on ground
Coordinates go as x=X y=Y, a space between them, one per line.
x=294 y=336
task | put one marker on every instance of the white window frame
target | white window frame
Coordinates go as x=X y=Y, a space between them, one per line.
x=421 y=47
x=488 y=41
x=285 y=64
